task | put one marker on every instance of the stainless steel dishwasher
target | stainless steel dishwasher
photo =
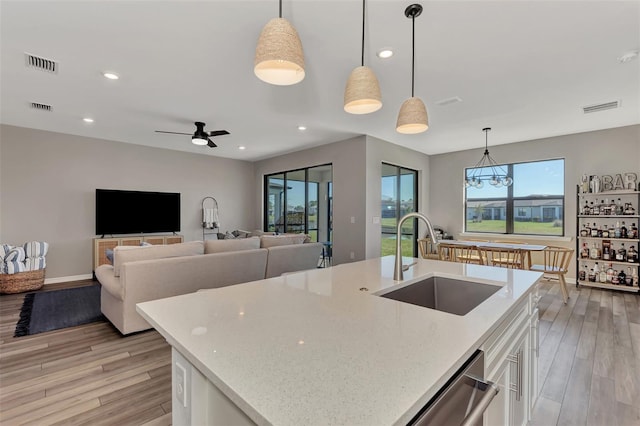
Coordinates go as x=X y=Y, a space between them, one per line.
x=463 y=400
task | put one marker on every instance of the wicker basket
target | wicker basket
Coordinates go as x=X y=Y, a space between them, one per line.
x=22 y=281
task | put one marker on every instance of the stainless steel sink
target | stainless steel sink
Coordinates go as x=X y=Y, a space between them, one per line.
x=444 y=294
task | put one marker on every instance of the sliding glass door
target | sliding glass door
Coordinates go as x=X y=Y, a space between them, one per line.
x=299 y=201
x=399 y=197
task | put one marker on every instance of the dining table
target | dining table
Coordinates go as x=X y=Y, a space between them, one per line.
x=526 y=248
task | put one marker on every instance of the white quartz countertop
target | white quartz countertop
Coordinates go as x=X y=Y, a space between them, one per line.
x=312 y=348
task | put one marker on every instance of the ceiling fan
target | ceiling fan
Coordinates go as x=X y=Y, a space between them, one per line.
x=200 y=137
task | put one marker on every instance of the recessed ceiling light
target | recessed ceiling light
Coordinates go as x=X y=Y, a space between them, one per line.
x=88 y=120
x=242 y=147
x=110 y=75
x=629 y=56
x=385 y=53
x=302 y=128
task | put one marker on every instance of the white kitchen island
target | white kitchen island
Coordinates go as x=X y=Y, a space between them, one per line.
x=316 y=348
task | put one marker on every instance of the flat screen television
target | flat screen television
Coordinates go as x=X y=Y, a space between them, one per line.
x=134 y=212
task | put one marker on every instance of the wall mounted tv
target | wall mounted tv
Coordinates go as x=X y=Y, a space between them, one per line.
x=134 y=212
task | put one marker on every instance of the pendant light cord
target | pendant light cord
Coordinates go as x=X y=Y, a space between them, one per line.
x=413 y=51
x=280 y=10
x=362 y=57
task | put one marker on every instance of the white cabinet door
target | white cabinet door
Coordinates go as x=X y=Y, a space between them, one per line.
x=534 y=350
x=519 y=358
x=498 y=411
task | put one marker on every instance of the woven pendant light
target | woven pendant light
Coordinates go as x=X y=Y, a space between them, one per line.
x=412 y=117
x=362 y=94
x=279 y=58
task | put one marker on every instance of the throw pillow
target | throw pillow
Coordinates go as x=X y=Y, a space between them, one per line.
x=229 y=236
x=109 y=255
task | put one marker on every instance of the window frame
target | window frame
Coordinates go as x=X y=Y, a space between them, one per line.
x=511 y=201
x=285 y=194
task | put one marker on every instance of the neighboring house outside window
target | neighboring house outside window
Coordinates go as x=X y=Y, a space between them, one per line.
x=533 y=205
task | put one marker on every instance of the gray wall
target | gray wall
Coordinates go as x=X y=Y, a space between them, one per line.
x=349 y=171
x=379 y=151
x=601 y=152
x=48 y=182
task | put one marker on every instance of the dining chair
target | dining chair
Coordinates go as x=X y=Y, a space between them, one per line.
x=526 y=255
x=556 y=262
x=474 y=257
x=502 y=257
x=426 y=249
x=462 y=254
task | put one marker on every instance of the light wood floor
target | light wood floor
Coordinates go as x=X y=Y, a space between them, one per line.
x=589 y=367
x=85 y=375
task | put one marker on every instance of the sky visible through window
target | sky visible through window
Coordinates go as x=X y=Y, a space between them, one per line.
x=537 y=178
x=389 y=187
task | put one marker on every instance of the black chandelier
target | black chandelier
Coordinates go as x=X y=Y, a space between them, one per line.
x=487 y=170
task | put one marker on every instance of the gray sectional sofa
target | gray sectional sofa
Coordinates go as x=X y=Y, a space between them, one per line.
x=141 y=274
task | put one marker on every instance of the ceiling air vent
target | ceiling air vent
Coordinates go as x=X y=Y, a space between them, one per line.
x=40 y=107
x=601 y=107
x=41 y=64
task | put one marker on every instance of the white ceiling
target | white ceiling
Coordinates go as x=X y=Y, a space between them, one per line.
x=524 y=68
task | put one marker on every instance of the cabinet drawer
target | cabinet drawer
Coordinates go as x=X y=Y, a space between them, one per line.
x=498 y=343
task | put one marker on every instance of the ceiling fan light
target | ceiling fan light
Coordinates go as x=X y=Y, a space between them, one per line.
x=412 y=117
x=362 y=94
x=279 y=58
x=198 y=140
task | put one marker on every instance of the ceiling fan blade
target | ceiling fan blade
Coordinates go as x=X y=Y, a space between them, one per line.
x=211 y=144
x=173 y=133
x=218 y=133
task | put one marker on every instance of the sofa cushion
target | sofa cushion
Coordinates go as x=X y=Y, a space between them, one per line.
x=122 y=254
x=267 y=241
x=219 y=246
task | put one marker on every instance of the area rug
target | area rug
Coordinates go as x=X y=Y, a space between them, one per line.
x=56 y=309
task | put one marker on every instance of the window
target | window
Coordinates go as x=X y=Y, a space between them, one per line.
x=533 y=205
x=299 y=201
x=399 y=197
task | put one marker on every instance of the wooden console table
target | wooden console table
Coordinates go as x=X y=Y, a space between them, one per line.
x=101 y=245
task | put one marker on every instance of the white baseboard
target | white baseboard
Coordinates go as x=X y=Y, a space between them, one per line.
x=69 y=278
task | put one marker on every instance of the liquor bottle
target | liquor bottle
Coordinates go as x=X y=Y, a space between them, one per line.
x=594 y=230
x=582 y=274
x=583 y=231
x=592 y=276
x=632 y=255
x=584 y=252
x=594 y=253
x=617 y=229
x=605 y=231
x=621 y=254
x=603 y=276
x=612 y=207
x=605 y=209
x=619 y=207
x=623 y=231
x=600 y=232
x=596 y=209
x=629 y=210
x=610 y=273
x=614 y=278
x=628 y=280
x=634 y=231
x=606 y=252
x=585 y=209
x=634 y=277
x=622 y=277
